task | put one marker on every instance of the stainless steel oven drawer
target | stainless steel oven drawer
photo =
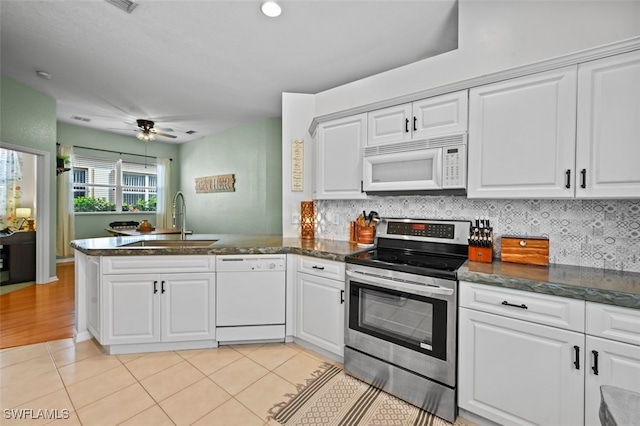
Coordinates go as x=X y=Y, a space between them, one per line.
x=415 y=389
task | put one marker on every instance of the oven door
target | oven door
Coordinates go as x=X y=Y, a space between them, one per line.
x=404 y=319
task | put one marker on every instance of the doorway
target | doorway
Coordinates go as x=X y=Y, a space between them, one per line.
x=43 y=211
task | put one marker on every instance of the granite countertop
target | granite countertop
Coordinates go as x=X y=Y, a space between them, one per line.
x=592 y=284
x=596 y=285
x=225 y=244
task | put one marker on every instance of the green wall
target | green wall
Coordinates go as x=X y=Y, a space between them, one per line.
x=91 y=225
x=28 y=118
x=253 y=153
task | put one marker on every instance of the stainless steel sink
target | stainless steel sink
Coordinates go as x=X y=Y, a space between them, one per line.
x=171 y=243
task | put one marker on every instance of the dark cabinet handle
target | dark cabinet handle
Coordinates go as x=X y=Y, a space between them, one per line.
x=162 y=285
x=406 y=125
x=341 y=296
x=568 y=184
x=583 y=174
x=318 y=267
x=577 y=361
x=155 y=287
x=595 y=362
x=415 y=124
x=523 y=306
x=361 y=186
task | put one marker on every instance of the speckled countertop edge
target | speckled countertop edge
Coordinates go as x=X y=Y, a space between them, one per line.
x=225 y=244
x=591 y=284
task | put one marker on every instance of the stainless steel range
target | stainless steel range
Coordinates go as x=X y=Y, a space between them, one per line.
x=401 y=310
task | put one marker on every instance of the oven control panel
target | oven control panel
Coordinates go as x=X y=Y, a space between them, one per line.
x=445 y=231
x=415 y=229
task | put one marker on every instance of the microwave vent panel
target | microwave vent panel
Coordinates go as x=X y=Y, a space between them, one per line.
x=457 y=139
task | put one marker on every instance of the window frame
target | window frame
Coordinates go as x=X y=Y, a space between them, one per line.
x=118 y=189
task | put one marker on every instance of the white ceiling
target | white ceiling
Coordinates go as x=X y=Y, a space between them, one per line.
x=209 y=65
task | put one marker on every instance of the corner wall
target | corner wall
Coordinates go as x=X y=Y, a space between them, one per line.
x=253 y=153
x=297 y=112
x=28 y=119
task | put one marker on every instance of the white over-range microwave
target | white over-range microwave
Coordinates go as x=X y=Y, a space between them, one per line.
x=427 y=166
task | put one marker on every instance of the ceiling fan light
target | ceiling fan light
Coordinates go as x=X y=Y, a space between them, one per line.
x=271 y=9
x=145 y=136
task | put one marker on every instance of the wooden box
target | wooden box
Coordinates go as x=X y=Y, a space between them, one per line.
x=527 y=250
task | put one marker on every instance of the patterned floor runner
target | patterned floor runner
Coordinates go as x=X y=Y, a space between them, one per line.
x=333 y=398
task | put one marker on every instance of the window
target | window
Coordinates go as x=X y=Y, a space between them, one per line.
x=107 y=185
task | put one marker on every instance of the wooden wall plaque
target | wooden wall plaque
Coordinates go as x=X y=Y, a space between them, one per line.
x=219 y=183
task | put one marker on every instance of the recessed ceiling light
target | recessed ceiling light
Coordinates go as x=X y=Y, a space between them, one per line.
x=271 y=9
x=44 y=74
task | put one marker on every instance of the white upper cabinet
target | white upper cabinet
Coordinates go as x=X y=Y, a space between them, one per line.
x=339 y=158
x=431 y=117
x=608 y=137
x=522 y=137
x=573 y=132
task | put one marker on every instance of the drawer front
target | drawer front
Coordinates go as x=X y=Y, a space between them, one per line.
x=613 y=322
x=543 y=309
x=157 y=264
x=322 y=268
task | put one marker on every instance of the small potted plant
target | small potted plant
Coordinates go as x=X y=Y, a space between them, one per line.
x=62 y=161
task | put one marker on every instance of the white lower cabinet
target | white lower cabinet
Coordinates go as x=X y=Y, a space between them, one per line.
x=149 y=303
x=320 y=304
x=519 y=373
x=610 y=362
x=533 y=359
x=150 y=308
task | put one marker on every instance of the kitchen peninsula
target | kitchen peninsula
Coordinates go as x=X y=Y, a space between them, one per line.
x=158 y=292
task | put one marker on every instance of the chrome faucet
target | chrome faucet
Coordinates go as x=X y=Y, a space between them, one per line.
x=183 y=212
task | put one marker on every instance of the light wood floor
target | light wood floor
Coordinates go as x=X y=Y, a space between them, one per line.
x=39 y=313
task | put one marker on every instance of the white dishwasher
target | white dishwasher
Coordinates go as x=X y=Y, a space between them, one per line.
x=250 y=297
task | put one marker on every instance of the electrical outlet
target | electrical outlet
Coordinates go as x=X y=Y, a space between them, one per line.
x=295 y=218
x=330 y=218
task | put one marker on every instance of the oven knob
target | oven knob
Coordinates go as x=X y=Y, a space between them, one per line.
x=272 y=266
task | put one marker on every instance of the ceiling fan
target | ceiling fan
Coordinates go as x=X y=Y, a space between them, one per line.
x=147 y=132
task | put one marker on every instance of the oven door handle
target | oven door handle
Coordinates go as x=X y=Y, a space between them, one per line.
x=404 y=285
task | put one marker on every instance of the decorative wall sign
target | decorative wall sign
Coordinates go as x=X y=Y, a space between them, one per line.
x=297 y=165
x=219 y=183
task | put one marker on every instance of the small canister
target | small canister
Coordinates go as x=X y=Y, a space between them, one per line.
x=366 y=234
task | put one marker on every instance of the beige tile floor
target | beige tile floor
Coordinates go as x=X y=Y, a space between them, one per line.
x=229 y=385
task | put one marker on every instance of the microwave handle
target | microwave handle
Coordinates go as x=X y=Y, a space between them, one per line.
x=404 y=286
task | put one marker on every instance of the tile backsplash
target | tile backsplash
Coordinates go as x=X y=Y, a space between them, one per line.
x=591 y=233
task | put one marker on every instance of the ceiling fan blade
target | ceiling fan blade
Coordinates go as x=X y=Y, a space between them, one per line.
x=166 y=135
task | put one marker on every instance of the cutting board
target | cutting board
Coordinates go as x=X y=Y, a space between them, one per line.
x=526 y=250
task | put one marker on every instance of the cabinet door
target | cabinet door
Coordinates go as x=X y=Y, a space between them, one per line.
x=522 y=137
x=131 y=309
x=320 y=312
x=616 y=364
x=389 y=125
x=519 y=373
x=440 y=115
x=339 y=162
x=188 y=306
x=608 y=146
